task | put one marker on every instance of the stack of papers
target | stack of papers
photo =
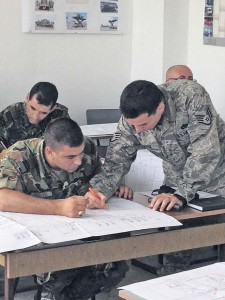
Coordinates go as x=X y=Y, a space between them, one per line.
x=19 y=230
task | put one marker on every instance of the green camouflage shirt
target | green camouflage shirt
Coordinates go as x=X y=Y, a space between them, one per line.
x=190 y=138
x=15 y=125
x=23 y=168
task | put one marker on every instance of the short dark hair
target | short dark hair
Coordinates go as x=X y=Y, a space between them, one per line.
x=45 y=92
x=140 y=97
x=63 y=131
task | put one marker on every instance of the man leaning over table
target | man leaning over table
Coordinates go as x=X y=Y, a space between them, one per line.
x=51 y=176
x=28 y=119
x=177 y=122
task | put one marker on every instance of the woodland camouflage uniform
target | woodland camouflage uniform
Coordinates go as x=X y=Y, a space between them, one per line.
x=15 y=125
x=23 y=168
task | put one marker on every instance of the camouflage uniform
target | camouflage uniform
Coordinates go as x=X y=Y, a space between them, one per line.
x=15 y=125
x=190 y=137
x=24 y=169
x=170 y=178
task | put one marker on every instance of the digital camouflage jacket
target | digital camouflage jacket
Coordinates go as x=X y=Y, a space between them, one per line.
x=190 y=138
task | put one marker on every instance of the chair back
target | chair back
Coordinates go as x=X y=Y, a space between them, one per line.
x=102 y=116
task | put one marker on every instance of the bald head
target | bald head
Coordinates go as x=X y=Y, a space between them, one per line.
x=178 y=72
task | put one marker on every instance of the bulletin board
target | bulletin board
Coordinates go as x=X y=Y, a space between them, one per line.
x=74 y=16
x=214 y=23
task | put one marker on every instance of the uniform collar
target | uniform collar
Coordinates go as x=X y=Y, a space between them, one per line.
x=170 y=111
x=44 y=166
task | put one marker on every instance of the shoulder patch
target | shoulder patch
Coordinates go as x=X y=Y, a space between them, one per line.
x=206 y=118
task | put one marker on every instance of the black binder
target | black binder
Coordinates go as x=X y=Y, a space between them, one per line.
x=205 y=204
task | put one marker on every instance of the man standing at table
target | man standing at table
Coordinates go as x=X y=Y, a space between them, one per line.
x=174 y=73
x=24 y=120
x=177 y=122
x=51 y=176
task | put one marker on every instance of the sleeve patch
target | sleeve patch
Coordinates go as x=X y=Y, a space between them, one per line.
x=115 y=137
x=206 y=118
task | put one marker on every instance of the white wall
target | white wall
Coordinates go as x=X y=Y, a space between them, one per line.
x=169 y=32
x=90 y=71
x=147 y=40
x=175 y=34
x=159 y=39
x=207 y=62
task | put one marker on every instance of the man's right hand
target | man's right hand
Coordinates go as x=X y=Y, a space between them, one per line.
x=2 y=153
x=73 y=207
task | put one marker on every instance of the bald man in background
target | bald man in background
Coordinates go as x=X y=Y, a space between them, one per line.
x=178 y=72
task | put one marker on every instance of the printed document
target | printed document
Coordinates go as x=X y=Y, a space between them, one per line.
x=206 y=283
x=120 y=216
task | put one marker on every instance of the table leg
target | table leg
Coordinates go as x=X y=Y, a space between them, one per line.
x=8 y=286
x=221 y=252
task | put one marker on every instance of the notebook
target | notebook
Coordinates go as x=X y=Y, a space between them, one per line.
x=209 y=203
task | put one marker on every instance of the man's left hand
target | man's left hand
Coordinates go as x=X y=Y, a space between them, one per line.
x=124 y=192
x=164 y=201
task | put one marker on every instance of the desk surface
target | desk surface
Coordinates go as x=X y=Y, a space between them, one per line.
x=114 y=248
x=187 y=213
x=23 y=263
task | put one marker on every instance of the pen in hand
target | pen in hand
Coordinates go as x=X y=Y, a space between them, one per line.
x=96 y=196
x=3 y=145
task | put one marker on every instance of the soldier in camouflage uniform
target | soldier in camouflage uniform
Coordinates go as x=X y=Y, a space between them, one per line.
x=177 y=122
x=24 y=120
x=51 y=176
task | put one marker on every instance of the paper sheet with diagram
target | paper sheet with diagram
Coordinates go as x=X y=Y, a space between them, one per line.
x=206 y=283
x=15 y=236
x=120 y=216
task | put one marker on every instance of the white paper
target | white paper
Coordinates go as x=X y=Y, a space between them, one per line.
x=206 y=283
x=14 y=236
x=120 y=216
x=99 y=129
x=146 y=172
x=205 y=195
